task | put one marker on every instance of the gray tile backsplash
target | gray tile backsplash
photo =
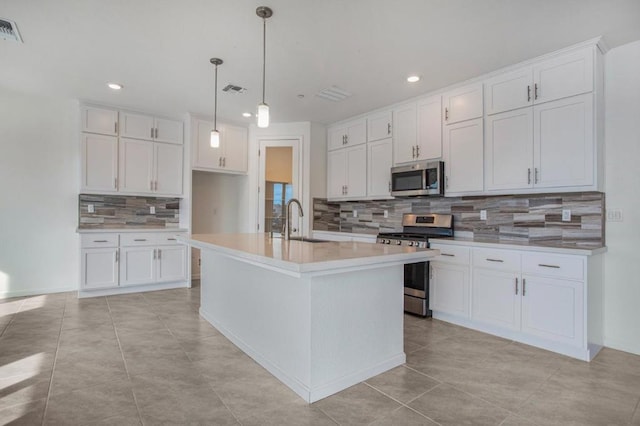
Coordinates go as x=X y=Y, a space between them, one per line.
x=119 y=211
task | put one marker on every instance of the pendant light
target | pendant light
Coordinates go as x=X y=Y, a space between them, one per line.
x=263 y=12
x=215 y=135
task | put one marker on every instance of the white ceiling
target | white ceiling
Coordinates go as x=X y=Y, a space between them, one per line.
x=160 y=49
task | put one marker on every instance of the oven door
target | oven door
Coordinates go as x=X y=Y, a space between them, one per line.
x=416 y=279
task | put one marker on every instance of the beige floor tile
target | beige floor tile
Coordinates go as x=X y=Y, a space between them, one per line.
x=514 y=420
x=449 y=406
x=136 y=340
x=216 y=347
x=120 y=420
x=618 y=359
x=402 y=384
x=26 y=363
x=27 y=414
x=84 y=369
x=24 y=388
x=223 y=370
x=635 y=420
x=405 y=417
x=290 y=415
x=357 y=405
x=439 y=365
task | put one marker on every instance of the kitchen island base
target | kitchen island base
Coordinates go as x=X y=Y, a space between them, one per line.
x=317 y=332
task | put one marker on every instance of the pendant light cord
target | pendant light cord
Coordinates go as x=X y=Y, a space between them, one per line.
x=264 y=54
x=215 y=103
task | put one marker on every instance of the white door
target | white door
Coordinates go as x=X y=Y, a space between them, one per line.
x=136 y=126
x=169 y=131
x=205 y=156
x=336 y=174
x=463 y=103
x=99 y=162
x=356 y=132
x=404 y=133
x=356 y=158
x=172 y=263
x=135 y=166
x=463 y=156
x=168 y=169
x=235 y=149
x=379 y=126
x=429 y=141
x=564 y=76
x=509 y=150
x=137 y=265
x=379 y=168
x=509 y=91
x=336 y=137
x=449 y=289
x=563 y=142
x=495 y=298
x=553 y=309
x=99 y=268
x=279 y=174
x=100 y=120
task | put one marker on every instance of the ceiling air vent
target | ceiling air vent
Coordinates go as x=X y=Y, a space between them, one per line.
x=232 y=88
x=333 y=93
x=9 y=30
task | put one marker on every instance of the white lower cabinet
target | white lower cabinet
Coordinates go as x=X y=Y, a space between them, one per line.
x=449 y=281
x=99 y=268
x=496 y=298
x=137 y=265
x=172 y=265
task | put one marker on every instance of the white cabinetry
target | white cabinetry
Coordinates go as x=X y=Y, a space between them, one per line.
x=232 y=154
x=347 y=134
x=99 y=120
x=405 y=133
x=379 y=156
x=99 y=261
x=347 y=173
x=140 y=126
x=463 y=156
x=508 y=91
x=463 y=103
x=99 y=163
x=379 y=126
x=417 y=130
x=150 y=167
x=449 y=281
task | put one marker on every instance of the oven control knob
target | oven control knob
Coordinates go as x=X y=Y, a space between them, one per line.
x=410 y=243
x=387 y=241
x=398 y=242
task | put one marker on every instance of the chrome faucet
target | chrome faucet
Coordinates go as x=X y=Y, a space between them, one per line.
x=287 y=216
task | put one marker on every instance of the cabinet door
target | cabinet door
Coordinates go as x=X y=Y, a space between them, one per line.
x=137 y=265
x=495 y=298
x=429 y=141
x=553 y=309
x=463 y=103
x=509 y=91
x=379 y=126
x=336 y=137
x=136 y=126
x=205 y=156
x=563 y=143
x=449 y=289
x=379 y=169
x=99 y=268
x=463 y=156
x=509 y=150
x=172 y=263
x=99 y=120
x=235 y=149
x=356 y=132
x=356 y=171
x=135 y=166
x=566 y=75
x=170 y=131
x=405 y=133
x=336 y=174
x=168 y=169
x=99 y=162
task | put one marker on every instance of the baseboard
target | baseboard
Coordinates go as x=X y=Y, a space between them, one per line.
x=132 y=289
x=35 y=292
x=622 y=346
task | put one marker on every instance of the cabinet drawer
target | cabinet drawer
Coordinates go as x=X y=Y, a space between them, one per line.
x=98 y=240
x=167 y=239
x=571 y=267
x=500 y=260
x=138 y=239
x=452 y=254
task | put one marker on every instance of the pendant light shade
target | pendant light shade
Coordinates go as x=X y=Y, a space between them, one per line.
x=215 y=134
x=263 y=109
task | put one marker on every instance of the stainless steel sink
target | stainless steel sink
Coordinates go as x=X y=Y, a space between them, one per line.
x=308 y=240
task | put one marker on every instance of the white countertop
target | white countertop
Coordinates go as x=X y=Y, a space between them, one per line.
x=300 y=256
x=513 y=245
x=125 y=230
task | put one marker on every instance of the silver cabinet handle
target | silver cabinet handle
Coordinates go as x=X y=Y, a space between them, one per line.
x=524 y=287
x=346 y=139
x=535 y=180
x=151 y=131
x=154 y=254
x=446 y=114
x=495 y=260
x=417 y=151
x=117 y=255
x=156 y=185
x=388 y=128
x=544 y=265
x=219 y=161
x=529 y=175
x=224 y=161
x=535 y=91
x=171 y=239
x=100 y=241
x=446 y=182
x=346 y=189
x=159 y=253
x=139 y=239
x=115 y=127
x=115 y=183
x=447 y=254
x=528 y=93
x=389 y=186
x=413 y=151
x=156 y=133
x=516 y=286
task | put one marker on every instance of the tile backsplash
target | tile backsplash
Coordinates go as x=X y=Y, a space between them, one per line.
x=517 y=218
x=118 y=211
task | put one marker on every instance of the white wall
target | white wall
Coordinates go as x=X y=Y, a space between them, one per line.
x=39 y=182
x=622 y=260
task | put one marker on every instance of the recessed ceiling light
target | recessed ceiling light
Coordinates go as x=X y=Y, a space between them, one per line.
x=114 y=86
x=246 y=114
x=413 y=78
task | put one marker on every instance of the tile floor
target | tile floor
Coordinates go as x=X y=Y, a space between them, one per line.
x=149 y=359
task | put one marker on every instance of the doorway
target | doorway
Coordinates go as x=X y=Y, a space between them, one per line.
x=279 y=183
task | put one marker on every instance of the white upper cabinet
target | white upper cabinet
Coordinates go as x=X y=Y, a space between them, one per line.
x=140 y=126
x=336 y=174
x=429 y=145
x=563 y=76
x=509 y=91
x=379 y=126
x=347 y=173
x=235 y=149
x=405 y=133
x=136 y=166
x=379 y=169
x=99 y=163
x=168 y=169
x=231 y=156
x=463 y=103
x=103 y=121
x=463 y=156
x=347 y=134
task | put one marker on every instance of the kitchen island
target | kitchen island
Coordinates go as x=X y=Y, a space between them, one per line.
x=318 y=316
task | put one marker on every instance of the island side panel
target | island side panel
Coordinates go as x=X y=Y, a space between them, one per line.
x=356 y=327
x=263 y=312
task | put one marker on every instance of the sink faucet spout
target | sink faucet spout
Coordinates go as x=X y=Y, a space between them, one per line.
x=288 y=215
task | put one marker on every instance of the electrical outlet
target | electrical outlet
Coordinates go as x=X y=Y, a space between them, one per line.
x=614 y=215
x=386 y=214
x=483 y=215
x=355 y=213
x=152 y=209
x=91 y=208
x=566 y=215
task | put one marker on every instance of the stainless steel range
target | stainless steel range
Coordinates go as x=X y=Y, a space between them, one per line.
x=416 y=231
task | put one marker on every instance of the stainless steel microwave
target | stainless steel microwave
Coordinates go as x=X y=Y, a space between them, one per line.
x=423 y=178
